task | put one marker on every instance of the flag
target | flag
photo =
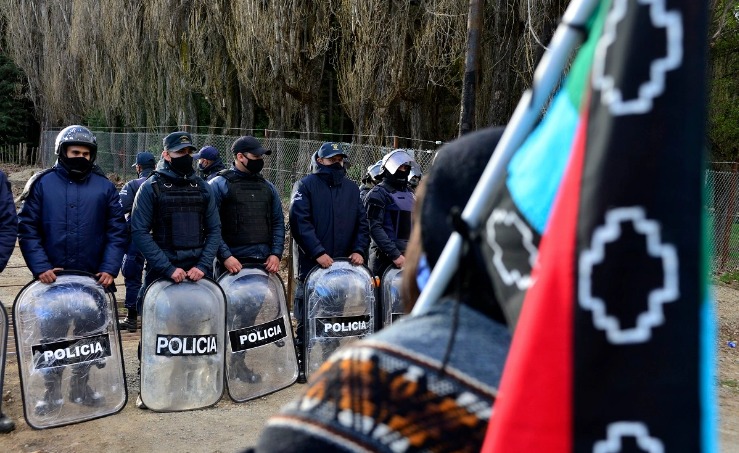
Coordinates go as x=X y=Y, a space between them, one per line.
x=613 y=347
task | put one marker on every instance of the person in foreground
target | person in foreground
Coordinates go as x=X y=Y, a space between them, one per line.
x=428 y=382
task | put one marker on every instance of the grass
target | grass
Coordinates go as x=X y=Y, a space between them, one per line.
x=731 y=383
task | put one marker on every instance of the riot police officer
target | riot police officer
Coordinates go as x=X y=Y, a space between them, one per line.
x=370 y=179
x=252 y=222
x=389 y=208
x=209 y=162
x=8 y=233
x=174 y=221
x=133 y=260
x=327 y=220
x=71 y=218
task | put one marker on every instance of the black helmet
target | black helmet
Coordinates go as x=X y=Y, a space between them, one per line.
x=76 y=135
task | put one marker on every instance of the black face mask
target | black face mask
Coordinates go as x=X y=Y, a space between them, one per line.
x=336 y=166
x=402 y=176
x=182 y=165
x=77 y=167
x=254 y=166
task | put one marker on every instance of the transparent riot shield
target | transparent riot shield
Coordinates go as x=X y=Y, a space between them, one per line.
x=340 y=308
x=182 y=345
x=69 y=351
x=392 y=306
x=260 y=352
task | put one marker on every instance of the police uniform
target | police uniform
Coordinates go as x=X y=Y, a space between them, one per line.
x=389 y=208
x=252 y=224
x=175 y=224
x=71 y=218
x=326 y=217
x=133 y=261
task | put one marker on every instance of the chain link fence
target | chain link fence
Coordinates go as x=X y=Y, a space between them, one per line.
x=288 y=162
x=721 y=206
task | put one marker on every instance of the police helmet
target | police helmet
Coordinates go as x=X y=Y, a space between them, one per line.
x=414 y=178
x=76 y=135
x=395 y=159
x=373 y=172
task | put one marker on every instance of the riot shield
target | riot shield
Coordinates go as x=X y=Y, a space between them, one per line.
x=260 y=353
x=340 y=308
x=69 y=351
x=392 y=306
x=182 y=344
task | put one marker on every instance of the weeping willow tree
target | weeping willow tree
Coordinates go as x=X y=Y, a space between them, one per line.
x=515 y=35
x=398 y=64
x=723 y=111
x=370 y=62
x=435 y=60
x=37 y=39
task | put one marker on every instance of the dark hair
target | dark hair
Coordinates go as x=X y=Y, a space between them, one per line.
x=452 y=179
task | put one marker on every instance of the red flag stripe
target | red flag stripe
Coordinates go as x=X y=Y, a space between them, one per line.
x=533 y=410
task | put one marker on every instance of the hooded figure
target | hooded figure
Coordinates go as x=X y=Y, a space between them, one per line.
x=427 y=382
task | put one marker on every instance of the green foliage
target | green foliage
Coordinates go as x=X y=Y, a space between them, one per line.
x=14 y=112
x=95 y=120
x=723 y=109
x=729 y=277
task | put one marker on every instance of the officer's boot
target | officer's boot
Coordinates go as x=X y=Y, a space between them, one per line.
x=129 y=322
x=300 y=352
x=52 y=399
x=241 y=371
x=6 y=424
x=80 y=392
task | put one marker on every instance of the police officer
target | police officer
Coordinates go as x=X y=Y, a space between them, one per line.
x=389 y=208
x=8 y=233
x=370 y=179
x=174 y=222
x=252 y=222
x=71 y=218
x=133 y=260
x=327 y=220
x=209 y=162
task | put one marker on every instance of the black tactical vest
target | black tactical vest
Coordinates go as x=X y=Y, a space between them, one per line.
x=179 y=214
x=246 y=212
x=400 y=213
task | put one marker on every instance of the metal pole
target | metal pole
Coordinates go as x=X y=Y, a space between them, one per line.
x=546 y=78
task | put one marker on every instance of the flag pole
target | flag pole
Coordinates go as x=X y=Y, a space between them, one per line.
x=548 y=75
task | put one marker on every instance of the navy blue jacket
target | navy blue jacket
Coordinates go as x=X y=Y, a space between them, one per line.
x=128 y=192
x=127 y=195
x=219 y=184
x=209 y=173
x=142 y=219
x=382 y=232
x=8 y=222
x=76 y=225
x=327 y=216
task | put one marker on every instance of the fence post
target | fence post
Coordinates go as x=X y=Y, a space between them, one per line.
x=729 y=217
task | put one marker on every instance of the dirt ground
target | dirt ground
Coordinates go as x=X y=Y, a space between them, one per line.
x=230 y=427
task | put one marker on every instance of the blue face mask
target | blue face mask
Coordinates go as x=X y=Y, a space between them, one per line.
x=423 y=272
